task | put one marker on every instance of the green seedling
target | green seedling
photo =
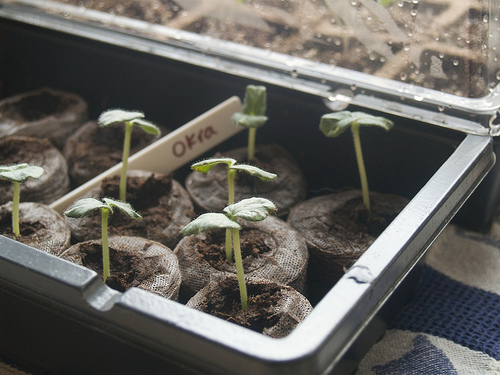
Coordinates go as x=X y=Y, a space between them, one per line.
x=129 y=119
x=17 y=174
x=334 y=124
x=205 y=165
x=253 y=115
x=251 y=209
x=85 y=206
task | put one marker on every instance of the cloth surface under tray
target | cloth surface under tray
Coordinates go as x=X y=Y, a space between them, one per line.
x=452 y=325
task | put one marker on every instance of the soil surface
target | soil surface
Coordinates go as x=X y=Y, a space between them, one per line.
x=439 y=44
x=33 y=108
x=40 y=227
x=271 y=250
x=52 y=184
x=30 y=232
x=93 y=149
x=126 y=269
x=285 y=191
x=162 y=202
x=43 y=113
x=338 y=230
x=225 y=303
x=252 y=243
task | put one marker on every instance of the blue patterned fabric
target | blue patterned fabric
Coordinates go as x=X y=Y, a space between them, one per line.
x=446 y=308
x=424 y=358
x=452 y=324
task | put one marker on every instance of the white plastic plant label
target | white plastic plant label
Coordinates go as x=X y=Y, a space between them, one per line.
x=173 y=150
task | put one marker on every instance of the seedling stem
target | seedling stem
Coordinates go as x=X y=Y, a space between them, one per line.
x=105 y=245
x=126 y=153
x=239 y=268
x=15 y=209
x=361 y=166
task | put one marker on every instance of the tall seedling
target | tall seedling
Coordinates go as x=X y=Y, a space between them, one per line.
x=252 y=115
x=85 y=206
x=205 y=165
x=129 y=119
x=251 y=209
x=18 y=174
x=334 y=124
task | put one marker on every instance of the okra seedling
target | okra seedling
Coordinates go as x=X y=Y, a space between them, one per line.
x=252 y=115
x=129 y=119
x=18 y=174
x=205 y=165
x=251 y=209
x=85 y=206
x=334 y=124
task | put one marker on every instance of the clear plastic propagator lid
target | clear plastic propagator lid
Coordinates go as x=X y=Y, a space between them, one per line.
x=435 y=60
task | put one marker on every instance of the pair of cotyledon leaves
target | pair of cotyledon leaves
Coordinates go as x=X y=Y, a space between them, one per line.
x=205 y=165
x=114 y=116
x=334 y=124
x=84 y=206
x=251 y=209
x=20 y=172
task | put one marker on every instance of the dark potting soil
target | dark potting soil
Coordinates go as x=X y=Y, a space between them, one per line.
x=142 y=194
x=54 y=182
x=261 y=312
x=338 y=230
x=13 y=152
x=354 y=223
x=285 y=191
x=164 y=206
x=31 y=233
x=32 y=108
x=93 y=149
x=126 y=269
x=213 y=249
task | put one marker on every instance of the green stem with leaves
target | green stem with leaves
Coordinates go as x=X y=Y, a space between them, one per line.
x=105 y=245
x=335 y=123
x=239 y=268
x=252 y=115
x=252 y=209
x=129 y=119
x=17 y=174
x=232 y=167
x=361 y=166
x=15 y=209
x=85 y=206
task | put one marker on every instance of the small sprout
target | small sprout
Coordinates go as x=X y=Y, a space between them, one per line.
x=205 y=165
x=18 y=174
x=85 y=206
x=251 y=209
x=129 y=118
x=334 y=124
x=253 y=115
